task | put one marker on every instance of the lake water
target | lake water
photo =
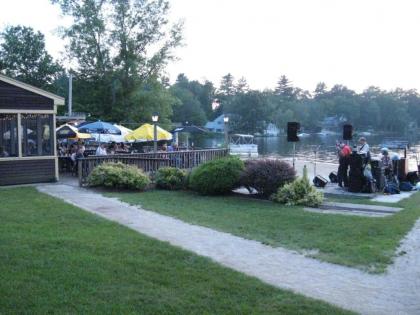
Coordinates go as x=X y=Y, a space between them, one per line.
x=324 y=145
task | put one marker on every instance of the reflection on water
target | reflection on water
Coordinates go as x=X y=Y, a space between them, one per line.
x=324 y=145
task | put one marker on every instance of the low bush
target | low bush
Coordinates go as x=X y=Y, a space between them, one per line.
x=217 y=177
x=267 y=175
x=299 y=192
x=170 y=178
x=118 y=175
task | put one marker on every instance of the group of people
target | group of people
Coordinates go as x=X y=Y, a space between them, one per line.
x=363 y=149
x=112 y=148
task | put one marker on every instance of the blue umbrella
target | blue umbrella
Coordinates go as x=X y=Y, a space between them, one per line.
x=100 y=127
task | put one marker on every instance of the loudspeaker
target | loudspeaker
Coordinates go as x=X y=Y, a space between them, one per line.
x=347 y=132
x=333 y=177
x=413 y=177
x=292 y=131
x=320 y=181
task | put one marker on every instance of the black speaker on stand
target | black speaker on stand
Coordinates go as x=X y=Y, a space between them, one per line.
x=347 y=132
x=292 y=136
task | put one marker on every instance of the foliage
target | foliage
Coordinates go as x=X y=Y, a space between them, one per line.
x=23 y=56
x=170 y=178
x=118 y=175
x=216 y=177
x=119 y=47
x=267 y=175
x=300 y=192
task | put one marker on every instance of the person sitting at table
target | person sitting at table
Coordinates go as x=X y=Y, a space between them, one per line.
x=113 y=148
x=3 y=152
x=101 y=150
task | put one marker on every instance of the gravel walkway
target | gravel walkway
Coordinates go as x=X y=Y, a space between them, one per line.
x=396 y=292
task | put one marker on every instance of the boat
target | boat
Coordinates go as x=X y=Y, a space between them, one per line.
x=243 y=145
x=303 y=135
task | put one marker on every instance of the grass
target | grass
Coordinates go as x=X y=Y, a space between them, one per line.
x=363 y=242
x=58 y=259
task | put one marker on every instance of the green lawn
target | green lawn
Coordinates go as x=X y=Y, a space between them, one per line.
x=58 y=259
x=363 y=242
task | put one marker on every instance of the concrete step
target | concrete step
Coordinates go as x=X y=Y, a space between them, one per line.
x=339 y=206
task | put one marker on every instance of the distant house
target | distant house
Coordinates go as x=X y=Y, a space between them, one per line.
x=271 y=130
x=216 y=125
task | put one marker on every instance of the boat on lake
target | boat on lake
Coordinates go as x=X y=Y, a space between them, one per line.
x=243 y=145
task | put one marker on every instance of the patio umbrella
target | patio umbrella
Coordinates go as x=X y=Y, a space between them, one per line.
x=146 y=133
x=100 y=127
x=69 y=132
x=124 y=130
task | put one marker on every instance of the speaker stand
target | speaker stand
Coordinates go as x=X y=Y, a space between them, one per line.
x=294 y=154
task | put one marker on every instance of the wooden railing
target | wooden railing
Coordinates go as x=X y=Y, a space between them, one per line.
x=150 y=162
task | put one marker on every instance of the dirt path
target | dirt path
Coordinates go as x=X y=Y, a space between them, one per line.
x=396 y=292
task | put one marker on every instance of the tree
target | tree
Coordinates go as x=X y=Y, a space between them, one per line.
x=284 y=88
x=23 y=56
x=227 y=86
x=118 y=47
x=241 y=86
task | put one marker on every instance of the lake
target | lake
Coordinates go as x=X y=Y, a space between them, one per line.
x=323 y=144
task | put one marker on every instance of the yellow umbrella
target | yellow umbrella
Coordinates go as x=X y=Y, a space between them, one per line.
x=145 y=133
x=71 y=132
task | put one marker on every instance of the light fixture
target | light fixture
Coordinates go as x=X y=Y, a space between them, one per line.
x=226 y=119
x=155 y=117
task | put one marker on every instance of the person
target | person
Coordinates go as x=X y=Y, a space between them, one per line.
x=101 y=150
x=113 y=148
x=3 y=152
x=386 y=162
x=364 y=150
x=343 y=161
x=80 y=148
x=123 y=147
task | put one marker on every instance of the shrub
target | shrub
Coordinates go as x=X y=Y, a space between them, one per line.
x=118 y=175
x=170 y=178
x=217 y=177
x=300 y=192
x=266 y=176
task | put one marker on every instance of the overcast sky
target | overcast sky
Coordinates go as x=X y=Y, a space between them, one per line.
x=352 y=42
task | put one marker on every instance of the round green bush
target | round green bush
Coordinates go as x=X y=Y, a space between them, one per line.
x=216 y=177
x=170 y=178
x=267 y=175
x=118 y=175
x=299 y=193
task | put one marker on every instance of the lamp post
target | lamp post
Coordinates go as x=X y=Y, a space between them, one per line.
x=226 y=121
x=155 y=118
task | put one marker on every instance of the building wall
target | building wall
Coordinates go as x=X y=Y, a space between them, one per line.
x=17 y=98
x=27 y=171
x=21 y=169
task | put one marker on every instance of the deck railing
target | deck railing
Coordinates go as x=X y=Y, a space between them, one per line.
x=150 y=162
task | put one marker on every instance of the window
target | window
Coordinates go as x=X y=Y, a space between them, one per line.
x=37 y=135
x=8 y=135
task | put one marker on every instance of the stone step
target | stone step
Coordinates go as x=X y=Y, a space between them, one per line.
x=339 y=206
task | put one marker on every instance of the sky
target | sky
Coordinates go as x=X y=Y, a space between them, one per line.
x=357 y=43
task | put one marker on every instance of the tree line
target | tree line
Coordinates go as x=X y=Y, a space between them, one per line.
x=118 y=51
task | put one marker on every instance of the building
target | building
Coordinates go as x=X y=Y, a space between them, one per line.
x=271 y=130
x=216 y=125
x=27 y=133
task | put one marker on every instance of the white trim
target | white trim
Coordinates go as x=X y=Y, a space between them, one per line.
x=27 y=111
x=25 y=158
x=55 y=149
x=19 y=134
x=58 y=100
